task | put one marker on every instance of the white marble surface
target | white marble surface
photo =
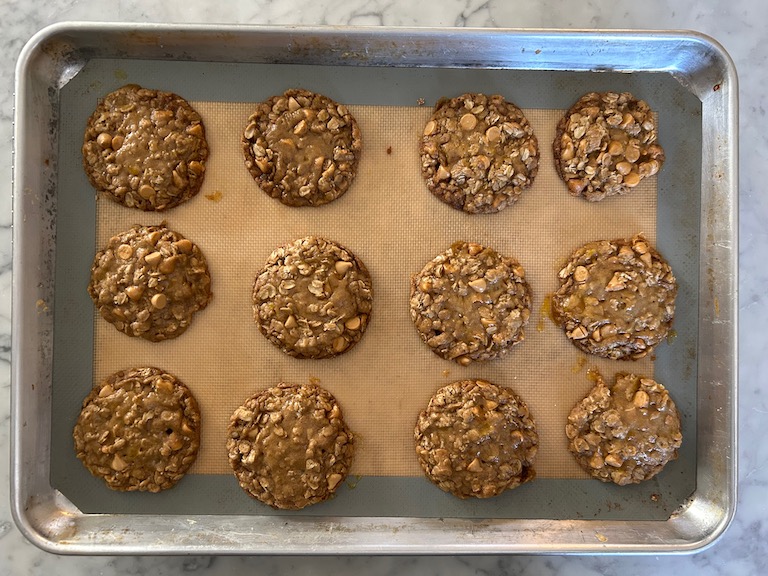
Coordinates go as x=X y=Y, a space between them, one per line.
x=738 y=24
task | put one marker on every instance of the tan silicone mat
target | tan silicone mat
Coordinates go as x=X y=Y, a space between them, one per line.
x=390 y=220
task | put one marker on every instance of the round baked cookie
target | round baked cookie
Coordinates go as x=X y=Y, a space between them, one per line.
x=476 y=439
x=149 y=282
x=138 y=430
x=313 y=298
x=616 y=298
x=625 y=433
x=145 y=148
x=289 y=446
x=606 y=144
x=302 y=148
x=470 y=303
x=478 y=153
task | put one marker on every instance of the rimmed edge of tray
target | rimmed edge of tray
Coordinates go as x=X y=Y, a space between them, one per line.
x=58 y=52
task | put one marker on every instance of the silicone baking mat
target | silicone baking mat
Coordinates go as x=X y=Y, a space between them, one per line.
x=390 y=220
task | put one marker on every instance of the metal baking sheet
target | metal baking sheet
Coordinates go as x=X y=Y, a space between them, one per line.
x=696 y=230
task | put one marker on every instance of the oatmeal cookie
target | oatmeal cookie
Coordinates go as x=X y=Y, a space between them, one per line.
x=625 y=433
x=138 y=430
x=302 y=148
x=313 y=298
x=145 y=149
x=606 y=144
x=616 y=298
x=478 y=153
x=476 y=439
x=470 y=303
x=289 y=446
x=149 y=282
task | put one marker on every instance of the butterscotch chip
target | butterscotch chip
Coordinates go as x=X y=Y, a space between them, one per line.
x=145 y=148
x=149 y=282
x=478 y=153
x=476 y=439
x=624 y=433
x=302 y=148
x=289 y=446
x=606 y=144
x=313 y=298
x=616 y=298
x=138 y=430
x=470 y=303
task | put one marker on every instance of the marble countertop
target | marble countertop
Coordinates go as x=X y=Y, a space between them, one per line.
x=737 y=24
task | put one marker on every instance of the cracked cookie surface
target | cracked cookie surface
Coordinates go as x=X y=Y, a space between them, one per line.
x=313 y=298
x=289 y=446
x=149 y=282
x=145 y=148
x=606 y=144
x=624 y=433
x=476 y=439
x=138 y=430
x=478 y=153
x=302 y=148
x=616 y=298
x=470 y=303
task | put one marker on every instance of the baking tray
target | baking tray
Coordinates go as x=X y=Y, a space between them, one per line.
x=696 y=221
